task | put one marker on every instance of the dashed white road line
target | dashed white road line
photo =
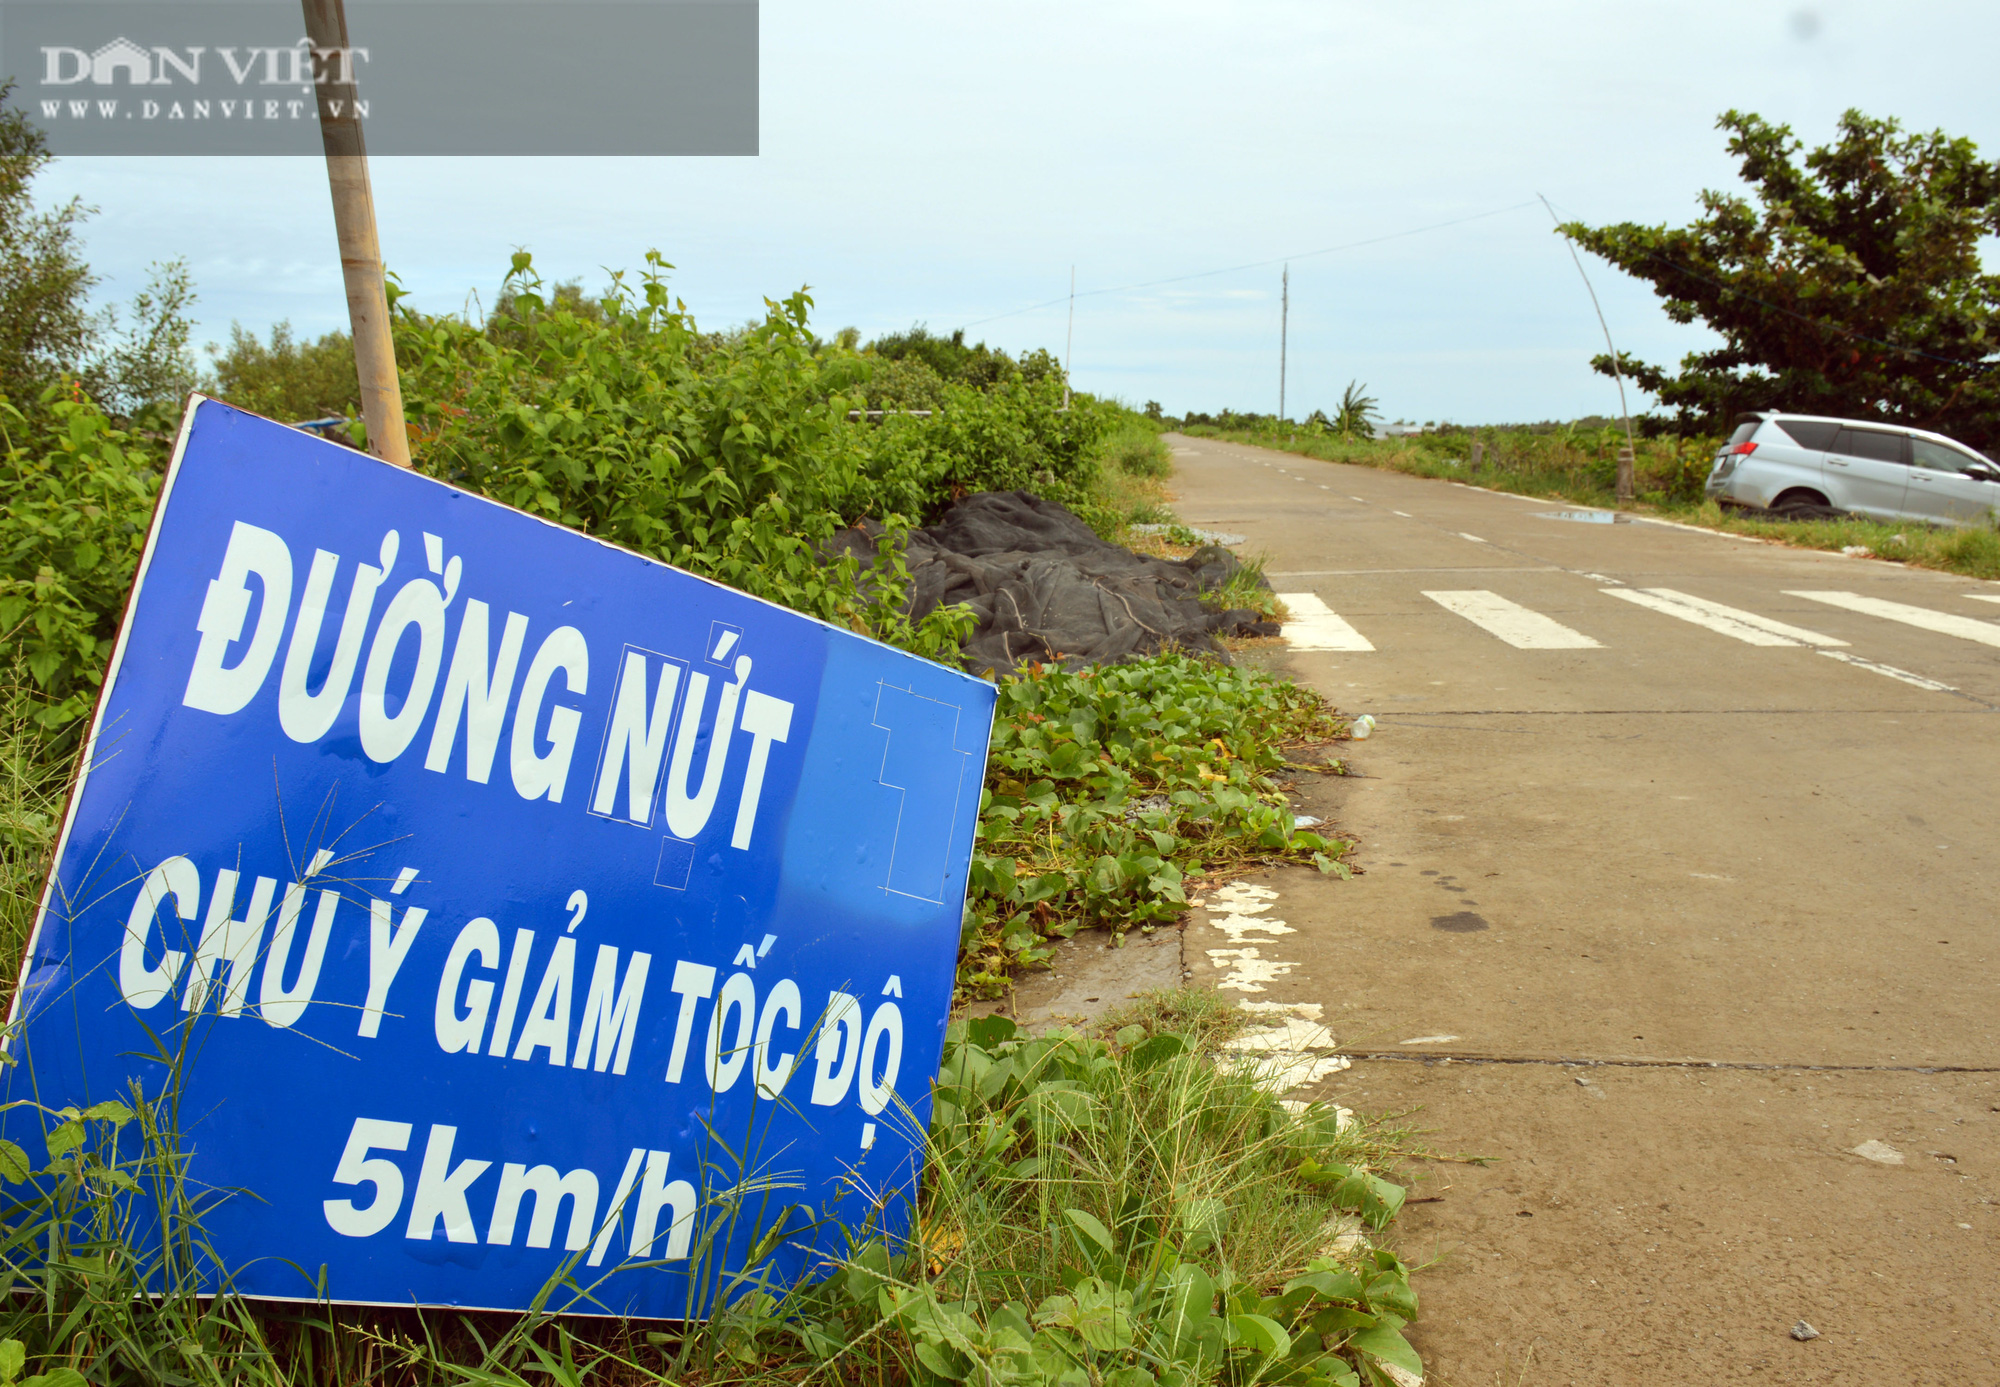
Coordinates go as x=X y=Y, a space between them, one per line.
x=1288 y=1051
x=1902 y=675
x=1474 y=538
x=1944 y=623
x=1747 y=627
x=1244 y=910
x=1700 y=530
x=1406 y=515
x=1511 y=622
x=1316 y=626
x=1289 y=1047
x=1362 y=499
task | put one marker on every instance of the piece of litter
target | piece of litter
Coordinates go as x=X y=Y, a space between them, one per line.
x=1343 y=1234
x=1804 y=1332
x=1430 y=1040
x=1878 y=1151
x=1362 y=727
x=1306 y=821
x=1856 y=551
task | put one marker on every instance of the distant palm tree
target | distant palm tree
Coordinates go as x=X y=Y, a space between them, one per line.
x=1356 y=415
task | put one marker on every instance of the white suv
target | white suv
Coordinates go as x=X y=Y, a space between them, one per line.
x=1805 y=464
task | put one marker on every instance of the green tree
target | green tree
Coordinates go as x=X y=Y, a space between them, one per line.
x=1356 y=415
x=143 y=371
x=139 y=370
x=286 y=379
x=46 y=326
x=979 y=366
x=1848 y=283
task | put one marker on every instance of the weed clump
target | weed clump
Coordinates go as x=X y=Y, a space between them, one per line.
x=1114 y=1211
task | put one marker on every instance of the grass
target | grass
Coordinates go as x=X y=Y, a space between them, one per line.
x=1973 y=551
x=1581 y=469
x=1246 y=590
x=34 y=773
x=1135 y=448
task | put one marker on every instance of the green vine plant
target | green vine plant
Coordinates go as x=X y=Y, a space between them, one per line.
x=1107 y=789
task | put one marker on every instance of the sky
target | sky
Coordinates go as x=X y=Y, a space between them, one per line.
x=950 y=164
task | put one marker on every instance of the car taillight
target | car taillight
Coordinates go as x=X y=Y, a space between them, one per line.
x=1741 y=449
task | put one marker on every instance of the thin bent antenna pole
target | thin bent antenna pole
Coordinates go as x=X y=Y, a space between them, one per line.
x=1069 y=345
x=1617 y=374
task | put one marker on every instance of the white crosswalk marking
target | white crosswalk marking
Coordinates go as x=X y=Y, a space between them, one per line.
x=1984 y=596
x=1944 y=623
x=1315 y=626
x=1511 y=622
x=1898 y=674
x=1740 y=625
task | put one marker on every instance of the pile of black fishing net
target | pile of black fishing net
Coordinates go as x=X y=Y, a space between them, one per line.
x=1046 y=589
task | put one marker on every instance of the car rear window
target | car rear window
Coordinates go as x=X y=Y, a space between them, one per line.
x=1872 y=444
x=1810 y=433
x=1744 y=430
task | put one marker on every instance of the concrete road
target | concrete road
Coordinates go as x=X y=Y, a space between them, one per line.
x=1635 y=800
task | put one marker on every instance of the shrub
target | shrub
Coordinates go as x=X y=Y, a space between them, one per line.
x=286 y=379
x=1137 y=451
x=79 y=497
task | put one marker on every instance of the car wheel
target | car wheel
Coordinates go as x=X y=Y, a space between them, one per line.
x=1803 y=505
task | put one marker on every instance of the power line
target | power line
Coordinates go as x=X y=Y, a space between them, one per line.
x=1257 y=264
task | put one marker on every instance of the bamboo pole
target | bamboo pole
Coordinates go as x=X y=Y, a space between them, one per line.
x=354 y=223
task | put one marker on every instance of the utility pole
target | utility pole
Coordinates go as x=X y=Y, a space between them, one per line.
x=1628 y=455
x=1284 y=331
x=354 y=224
x=1069 y=346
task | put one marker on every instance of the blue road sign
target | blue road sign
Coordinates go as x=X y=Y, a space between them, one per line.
x=503 y=901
